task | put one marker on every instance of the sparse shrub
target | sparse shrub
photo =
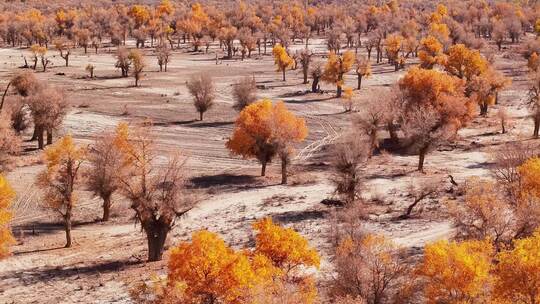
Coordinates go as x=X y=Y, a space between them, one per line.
x=244 y=93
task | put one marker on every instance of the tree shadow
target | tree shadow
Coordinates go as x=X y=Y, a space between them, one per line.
x=39 y=227
x=293 y=217
x=211 y=124
x=16 y=253
x=40 y=274
x=175 y=123
x=224 y=179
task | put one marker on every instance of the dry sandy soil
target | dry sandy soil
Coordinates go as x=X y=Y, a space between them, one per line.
x=108 y=257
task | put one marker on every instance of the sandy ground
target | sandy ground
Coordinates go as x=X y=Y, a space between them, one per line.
x=108 y=257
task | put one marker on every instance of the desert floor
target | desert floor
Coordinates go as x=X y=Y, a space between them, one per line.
x=108 y=257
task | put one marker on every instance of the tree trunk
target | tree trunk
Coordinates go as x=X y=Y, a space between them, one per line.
x=156 y=234
x=305 y=71
x=359 y=81
x=421 y=158
x=483 y=109
x=263 y=169
x=392 y=130
x=67 y=226
x=201 y=113
x=284 y=163
x=339 y=90
x=314 y=85
x=40 y=138
x=536 y=127
x=283 y=74
x=49 y=137
x=106 y=208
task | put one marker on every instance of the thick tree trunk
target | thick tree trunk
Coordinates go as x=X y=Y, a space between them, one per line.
x=315 y=85
x=305 y=71
x=156 y=234
x=40 y=139
x=106 y=208
x=359 y=82
x=67 y=226
x=263 y=168
x=339 y=90
x=201 y=113
x=284 y=163
x=536 y=127
x=392 y=131
x=49 y=137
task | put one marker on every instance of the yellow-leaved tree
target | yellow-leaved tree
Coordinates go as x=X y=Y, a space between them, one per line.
x=336 y=67
x=430 y=52
x=464 y=62
x=6 y=196
x=207 y=270
x=60 y=178
x=264 y=129
x=517 y=272
x=456 y=272
x=281 y=59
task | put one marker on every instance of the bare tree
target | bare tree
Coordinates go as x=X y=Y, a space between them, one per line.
x=157 y=195
x=163 y=54
x=201 y=88
x=368 y=122
x=534 y=101
x=10 y=142
x=349 y=155
x=105 y=171
x=63 y=45
x=420 y=190
x=316 y=74
x=244 y=92
x=48 y=108
x=90 y=69
x=305 y=57
x=122 y=61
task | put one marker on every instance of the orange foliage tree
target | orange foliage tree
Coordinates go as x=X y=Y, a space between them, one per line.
x=456 y=272
x=464 y=62
x=336 y=67
x=6 y=196
x=434 y=107
x=430 y=52
x=281 y=59
x=207 y=270
x=63 y=161
x=517 y=272
x=264 y=129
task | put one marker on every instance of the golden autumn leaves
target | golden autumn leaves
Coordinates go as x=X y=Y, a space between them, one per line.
x=207 y=270
x=264 y=130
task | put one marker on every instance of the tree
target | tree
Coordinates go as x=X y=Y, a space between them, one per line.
x=336 y=67
x=122 y=61
x=6 y=197
x=456 y=272
x=286 y=131
x=157 y=195
x=430 y=52
x=534 y=101
x=264 y=129
x=244 y=93
x=207 y=270
x=137 y=60
x=369 y=268
x=201 y=87
x=434 y=108
x=363 y=69
x=163 y=54
x=485 y=88
x=393 y=45
x=10 y=141
x=305 y=60
x=464 y=63
x=281 y=59
x=63 y=46
x=349 y=155
x=316 y=74
x=103 y=176
x=48 y=107
x=485 y=214
x=227 y=34
x=60 y=178
x=517 y=272
x=90 y=69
